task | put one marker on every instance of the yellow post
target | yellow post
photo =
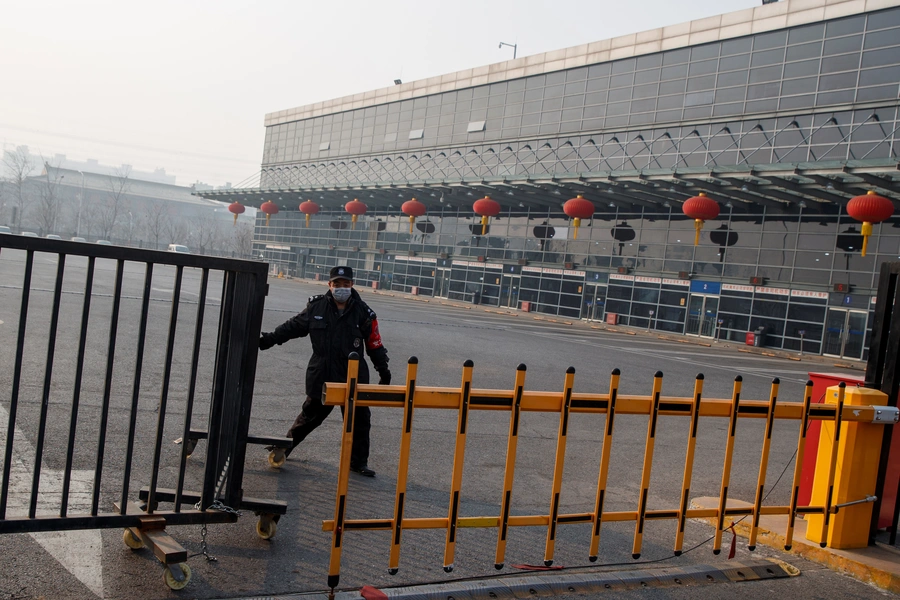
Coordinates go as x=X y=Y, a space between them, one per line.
x=798 y=466
x=512 y=443
x=561 y=438
x=763 y=464
x=689 y=464
x=648 y=466
x=403 y=467
x=851 y=476
x=459 y=454
x=604 y=464
x=340 y=503
x=726 y=469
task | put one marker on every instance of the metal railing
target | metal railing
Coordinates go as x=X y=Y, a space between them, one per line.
x=115 y=350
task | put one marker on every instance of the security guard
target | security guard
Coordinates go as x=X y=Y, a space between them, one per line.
x=338 y=323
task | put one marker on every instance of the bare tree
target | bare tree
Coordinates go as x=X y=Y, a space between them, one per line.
x=242 y=240
x=206 y=232
x=176 y=230
x=48 y=201
x=156 y=221
x=19 y=168
x=116 y=202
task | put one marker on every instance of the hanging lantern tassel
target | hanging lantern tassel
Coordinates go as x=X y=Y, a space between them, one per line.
x=309 y=208
x=578 y=208
x=487 y=208
x=700 y=209
x=414 y=209
x=355 y=208
x=270 y=208
x=869 y=209
x=237 y=209
x=484 y=223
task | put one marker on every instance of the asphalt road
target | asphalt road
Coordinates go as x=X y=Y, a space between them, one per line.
x=97 y=564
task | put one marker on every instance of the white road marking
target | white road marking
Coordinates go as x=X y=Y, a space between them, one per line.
x=78 y=551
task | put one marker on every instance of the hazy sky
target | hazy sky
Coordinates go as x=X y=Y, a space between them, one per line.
x=185 y=85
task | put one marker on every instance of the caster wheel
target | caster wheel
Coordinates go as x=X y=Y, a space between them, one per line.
x=277 y=458
x=189 y=447
x=131 y=540
x=173 y=583
x=266 y=527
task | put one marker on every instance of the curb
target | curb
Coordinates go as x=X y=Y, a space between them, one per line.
x=874 y=565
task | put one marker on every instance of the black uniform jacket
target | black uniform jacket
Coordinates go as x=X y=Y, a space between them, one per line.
x=334 y=336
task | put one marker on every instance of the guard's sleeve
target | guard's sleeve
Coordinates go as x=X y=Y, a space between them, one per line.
x=295 y=327
x=374 y=344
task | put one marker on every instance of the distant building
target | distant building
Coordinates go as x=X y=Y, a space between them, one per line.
x=780 y=113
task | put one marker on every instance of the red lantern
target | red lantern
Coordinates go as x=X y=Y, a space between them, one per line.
x=578 y=208
x=309 y=208
x=486 y=207
x=700 y=209
x=236 y=208
x=869 y=209
x=414 y=209
x=270 y=208
x=355 y=208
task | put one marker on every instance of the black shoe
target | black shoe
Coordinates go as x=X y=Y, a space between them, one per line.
x=364 y=471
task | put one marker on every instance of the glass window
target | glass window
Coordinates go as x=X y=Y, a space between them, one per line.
x=737 y=46
x=836 y=82
x=766 y=41
x=880 y=39
x=648 y=76
x=765 y=74
x=801 y=69
x=674 y=72
x=672 y=87
x=621 y=80
x=706 y=82
x=731 y=63
x=767 y=57
x=601 y=70
x=764 y=90
x=884 y=18
x=703 y=67
x=674 y=57
x=844 y=62
x=623 y=66
x=877 y=58
x=842 y=45
x=704 y=52
x=846 y=26
x=804 y=51
x=648 y=61
x=806 y=33
x=737 y=78
x=799 y=86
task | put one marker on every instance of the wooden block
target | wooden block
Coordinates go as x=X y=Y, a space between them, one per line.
x=166 y=549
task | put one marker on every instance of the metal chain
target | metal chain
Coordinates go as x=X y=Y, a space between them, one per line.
x=204 y=546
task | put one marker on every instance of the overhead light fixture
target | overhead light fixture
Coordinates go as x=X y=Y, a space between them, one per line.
x=557 y=193
x=729 y=204
x=744 y=188
x=469 y=193
x=801 y=204
x=672 y=188
x=509 y=193
x=521 y=205
x=612 y=204
x=829 y=186
x=666 y=204
x=397 y=82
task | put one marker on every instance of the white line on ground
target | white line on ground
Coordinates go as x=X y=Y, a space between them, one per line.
x=78 y=551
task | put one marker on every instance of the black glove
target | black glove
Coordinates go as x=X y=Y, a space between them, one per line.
x=384 y=376
x=266 y=341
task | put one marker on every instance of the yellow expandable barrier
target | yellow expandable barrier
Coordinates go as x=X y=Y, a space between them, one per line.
x=852 y=426
x=846 y=472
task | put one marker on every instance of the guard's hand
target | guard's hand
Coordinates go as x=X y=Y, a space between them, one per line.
x=266 y=341
x=385 y=377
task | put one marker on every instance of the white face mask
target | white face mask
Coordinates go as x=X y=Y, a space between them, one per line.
x=341 y=294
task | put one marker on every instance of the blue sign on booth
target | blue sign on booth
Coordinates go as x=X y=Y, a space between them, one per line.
x=706 y=287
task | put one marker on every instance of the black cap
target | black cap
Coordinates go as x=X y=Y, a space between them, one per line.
x=340 y=272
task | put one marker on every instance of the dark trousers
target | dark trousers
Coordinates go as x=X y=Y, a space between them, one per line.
x=314 y=413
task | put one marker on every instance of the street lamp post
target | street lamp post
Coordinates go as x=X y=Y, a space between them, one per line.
x=513 y=46
x=80 y=205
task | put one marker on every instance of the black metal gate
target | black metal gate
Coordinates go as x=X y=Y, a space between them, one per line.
x=883 y=373
x=115 y=349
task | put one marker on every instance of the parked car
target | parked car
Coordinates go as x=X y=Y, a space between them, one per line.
x=5 y=229
x=29 y=234
x=53 y=236
x=104 y=242
x=79 y=239
x=179 y=248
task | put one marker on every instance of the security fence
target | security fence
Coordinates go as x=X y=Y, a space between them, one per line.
x=847 y=408
x=109 y=363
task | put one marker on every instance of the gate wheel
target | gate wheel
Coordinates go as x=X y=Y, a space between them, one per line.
x=266 y=527
x=277 y=457
x=132 y=541
x=173 y=583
